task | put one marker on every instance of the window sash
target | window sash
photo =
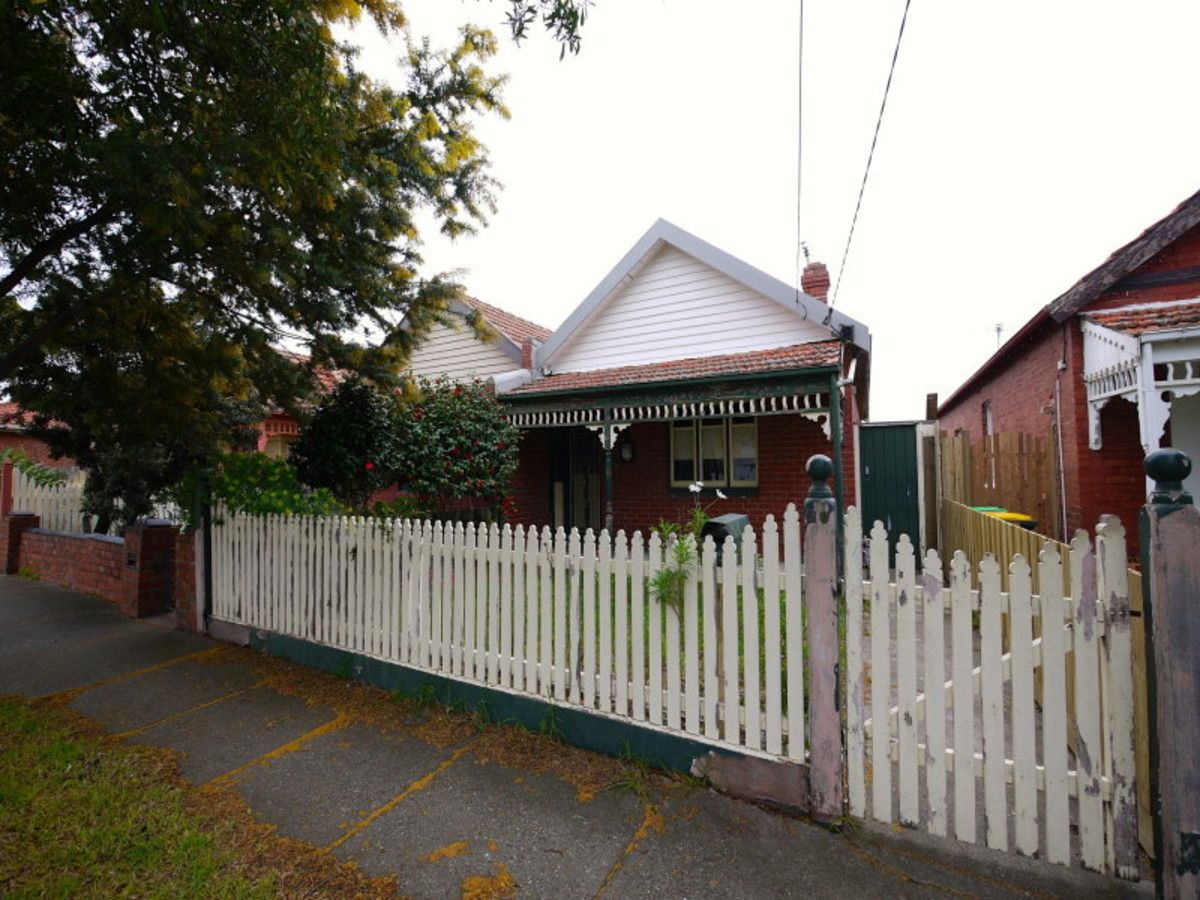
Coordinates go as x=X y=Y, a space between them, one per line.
x=710 y=447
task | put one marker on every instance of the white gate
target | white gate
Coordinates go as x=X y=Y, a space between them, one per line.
x=974 y=710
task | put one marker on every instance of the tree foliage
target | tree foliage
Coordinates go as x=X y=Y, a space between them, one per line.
x=350 y=446
x=454 y=443
x=257 y=484
x=186 y=185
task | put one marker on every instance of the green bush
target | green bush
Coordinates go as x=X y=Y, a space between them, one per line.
x=257 y=484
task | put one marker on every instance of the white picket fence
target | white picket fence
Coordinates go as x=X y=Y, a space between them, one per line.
x=566 y=617
x=966 y=714
x=59 y=508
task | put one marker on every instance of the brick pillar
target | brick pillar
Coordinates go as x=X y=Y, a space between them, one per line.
x=6 y=487
x=185 y=582
x=11 y=528
x=149 y=568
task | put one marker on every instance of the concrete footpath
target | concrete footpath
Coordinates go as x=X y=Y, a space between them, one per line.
x=439 y=799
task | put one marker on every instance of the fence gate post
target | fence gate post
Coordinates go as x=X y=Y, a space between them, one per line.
x=820 y=598
x=1170 y=533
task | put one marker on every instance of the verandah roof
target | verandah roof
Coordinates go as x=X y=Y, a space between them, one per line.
x=795 y=380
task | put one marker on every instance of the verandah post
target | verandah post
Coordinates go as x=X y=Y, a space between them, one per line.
x=820 y=597
x=1170 y=533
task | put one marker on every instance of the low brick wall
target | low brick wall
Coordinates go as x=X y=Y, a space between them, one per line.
x=136 y=572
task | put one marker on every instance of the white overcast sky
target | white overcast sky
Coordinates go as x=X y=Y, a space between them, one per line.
x=1023 y=142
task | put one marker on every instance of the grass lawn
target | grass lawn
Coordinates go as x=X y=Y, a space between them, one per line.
x=81 y=815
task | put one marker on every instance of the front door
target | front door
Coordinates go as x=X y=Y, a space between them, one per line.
x=577 y=479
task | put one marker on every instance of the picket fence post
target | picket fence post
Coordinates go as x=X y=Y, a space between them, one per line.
x=1170 y=532
x=820 y=570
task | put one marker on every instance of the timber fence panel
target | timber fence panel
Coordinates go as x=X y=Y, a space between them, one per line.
x=560 y=614
x=933 y=586
x=995 y=775
x=963 y=663
x=1054 y=707
x=906 y=680
x=1087 y=701
x=604 y=602
x=621 y=633
x=589 y=565
x=638 y=596
x=691 y=649
x=855 y=709
x=751 y=692
x=771 y=602
x=708 y=593
x=881 y=676
x=1024 y=744
x=654 y=563
x=794 y=625
x=729 y=640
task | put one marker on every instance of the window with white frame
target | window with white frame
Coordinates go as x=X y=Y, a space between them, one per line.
x=721 y=452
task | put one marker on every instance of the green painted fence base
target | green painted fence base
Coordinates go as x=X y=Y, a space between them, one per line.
x=590 y=731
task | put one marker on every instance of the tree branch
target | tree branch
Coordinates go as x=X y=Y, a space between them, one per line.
x=52 y=246
x=30 y=344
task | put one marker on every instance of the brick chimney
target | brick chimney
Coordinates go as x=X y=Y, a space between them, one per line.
x=815 y=281
x=527 y=353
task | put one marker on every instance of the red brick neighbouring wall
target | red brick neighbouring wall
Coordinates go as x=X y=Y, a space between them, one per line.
x=32 y=447
x=137 y=572
x=1105 y=481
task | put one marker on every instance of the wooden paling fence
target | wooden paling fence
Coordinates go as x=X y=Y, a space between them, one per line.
x=959 y=707
x=1018 y=472
x=977 y=534
x=566 y=617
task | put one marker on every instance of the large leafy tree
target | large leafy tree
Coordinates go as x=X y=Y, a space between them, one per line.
x=184 y=185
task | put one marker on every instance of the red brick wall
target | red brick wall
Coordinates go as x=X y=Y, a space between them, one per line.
x=91 y=564
x=136 y=572
x=642 y=494
x=35 y=449
x=530 y=488
x=1110 y=480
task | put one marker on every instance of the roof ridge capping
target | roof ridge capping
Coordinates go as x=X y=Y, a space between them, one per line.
x=769 y=286
x=1126 y=258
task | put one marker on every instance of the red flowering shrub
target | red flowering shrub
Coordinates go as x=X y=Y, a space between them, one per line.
x=455 y=443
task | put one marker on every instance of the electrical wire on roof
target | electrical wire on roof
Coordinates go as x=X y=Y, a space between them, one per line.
x=871 y=154
x=801 y=249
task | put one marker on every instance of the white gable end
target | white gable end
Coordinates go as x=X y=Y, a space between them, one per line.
x=458 y=355
x=676 y=307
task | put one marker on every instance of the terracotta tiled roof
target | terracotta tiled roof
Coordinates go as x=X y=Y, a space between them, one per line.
x=779 y=359
x=512 y=327
x=10 y=415
x=1145 y=319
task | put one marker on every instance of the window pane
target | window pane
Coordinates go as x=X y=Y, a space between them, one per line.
x=712 y=453
x=743 y=441
x=683 y=454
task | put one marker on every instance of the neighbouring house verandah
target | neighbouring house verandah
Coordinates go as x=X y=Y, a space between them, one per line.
x=621 y=450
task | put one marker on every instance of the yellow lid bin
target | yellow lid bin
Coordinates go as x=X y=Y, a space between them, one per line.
x=1016 y=518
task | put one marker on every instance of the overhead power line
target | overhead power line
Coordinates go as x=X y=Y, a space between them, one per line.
x=871 y=154
x=800 y=251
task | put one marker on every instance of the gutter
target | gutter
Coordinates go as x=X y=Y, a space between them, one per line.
x=533 y=396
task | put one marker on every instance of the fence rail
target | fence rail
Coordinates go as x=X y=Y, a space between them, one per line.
x=963 y=710
x=566 y=617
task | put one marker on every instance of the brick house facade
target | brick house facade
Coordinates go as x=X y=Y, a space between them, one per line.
x=685 y=364
x=1092 y=360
